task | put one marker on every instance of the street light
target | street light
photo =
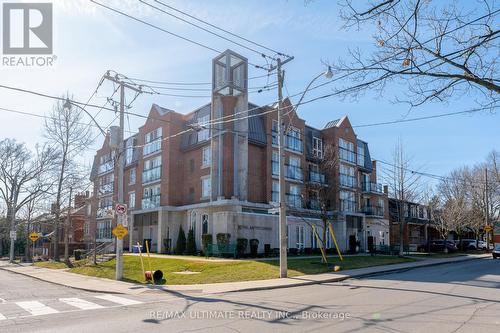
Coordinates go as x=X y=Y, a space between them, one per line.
x=68 y=104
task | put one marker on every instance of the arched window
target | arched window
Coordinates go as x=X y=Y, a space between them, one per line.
x=204 y=224
x=192 y=222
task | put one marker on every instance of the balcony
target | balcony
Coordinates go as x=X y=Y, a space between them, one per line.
x=313 y=204
x=151 y=175
x=347 y=155
x=347 y=206
x=293 y=143
x=347 y=181
x=152 y=147
x=106 y=167
x=151 y=202
x=317 y=177
x=294 y=200
x=373 y=210
x=372 y=187
x=293 y=172
x=106 y=211
x=106 y=188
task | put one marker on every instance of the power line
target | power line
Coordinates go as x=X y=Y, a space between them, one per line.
x=205 y=29
x=428 y=117
x=166 y=31
x=221 y=29
x=187 y=83
x=402 y=52
x=45 y=117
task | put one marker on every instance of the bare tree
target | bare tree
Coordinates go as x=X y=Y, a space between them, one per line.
x=404 y=186
x=64 y=129
x=434 y=48
x=23 y=178
x=327 y=164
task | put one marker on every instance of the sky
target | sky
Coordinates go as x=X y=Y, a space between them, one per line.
x=88 y=40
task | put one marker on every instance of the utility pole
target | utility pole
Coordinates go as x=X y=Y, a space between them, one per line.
x=282 y=187
x=121 y=165
x=66 y=228
x=486 y=210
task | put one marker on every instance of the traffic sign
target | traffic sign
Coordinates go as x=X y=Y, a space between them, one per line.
x=34 y=236
x=122 y=219
x=121 y=209
x=120 y=231
x=488 y=228
x=13 y=235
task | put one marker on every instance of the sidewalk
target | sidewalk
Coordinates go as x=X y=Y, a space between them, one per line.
x=72 y=280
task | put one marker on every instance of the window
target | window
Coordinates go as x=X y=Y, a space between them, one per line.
x=192 y=222
x=106 y=184
x=275 y=192
x=347 y=201
x=346 y=151
x=107 y=162
x=129 y=150
x=361 y=154
x=86 y=228
x=275 y=163
x=131 y=200
x=293 y=170
x=152 y=170
x=299 y=236
x=347 y=177
x=317 y=149
x=313 y=200
x=206 y=187
x=314 y=174
x=206 y=157
x=153 y=142
x=103 y=230
x=105 y=208
x=294 y=198
x=205 y=132
x=204 y=224
x=275 y=133
x=132 y=176
x=151 y=197
x=293 y=140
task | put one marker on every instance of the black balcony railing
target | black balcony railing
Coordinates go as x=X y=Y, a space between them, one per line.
x=347 y=155
x=347 y=181
x=293 y=172
x=151 y=175
x=372 y=187
x=373 y=210
x=347 y=206
x=106 y=167
x=151 y=202
x=294 y=200
x=106 y=188
x=293 y=143
x=317 y=177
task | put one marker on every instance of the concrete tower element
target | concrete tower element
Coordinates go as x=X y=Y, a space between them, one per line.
x=229 y=139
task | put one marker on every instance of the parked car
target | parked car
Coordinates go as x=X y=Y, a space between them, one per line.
x=484 y=245
x=496 y=251
x=467 y=244
x=438 y=245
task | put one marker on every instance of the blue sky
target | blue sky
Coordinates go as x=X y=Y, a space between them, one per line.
x=89 y=40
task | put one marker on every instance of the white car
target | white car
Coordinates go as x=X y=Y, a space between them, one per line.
x=482 y=245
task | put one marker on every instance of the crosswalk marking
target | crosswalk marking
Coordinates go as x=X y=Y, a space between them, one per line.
x=81 y=304
x=36 y=308
x=119 y=300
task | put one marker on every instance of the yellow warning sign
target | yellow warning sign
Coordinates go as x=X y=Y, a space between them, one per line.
x=34 y=236
x=120 y=231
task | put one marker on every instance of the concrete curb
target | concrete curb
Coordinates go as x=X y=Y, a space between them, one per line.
x=387 y=270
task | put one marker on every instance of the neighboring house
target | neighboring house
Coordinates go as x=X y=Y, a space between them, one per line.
x=419 y=224
x=223 y=178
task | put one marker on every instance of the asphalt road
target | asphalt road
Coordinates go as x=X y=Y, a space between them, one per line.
x=461 y=297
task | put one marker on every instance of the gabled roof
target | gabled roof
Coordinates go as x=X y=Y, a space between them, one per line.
x=161 y=110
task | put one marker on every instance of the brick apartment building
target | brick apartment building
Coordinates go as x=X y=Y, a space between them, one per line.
x=419 y=226
x=223 y=177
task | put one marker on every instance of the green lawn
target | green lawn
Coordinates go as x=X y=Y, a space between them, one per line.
x=213 y=272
